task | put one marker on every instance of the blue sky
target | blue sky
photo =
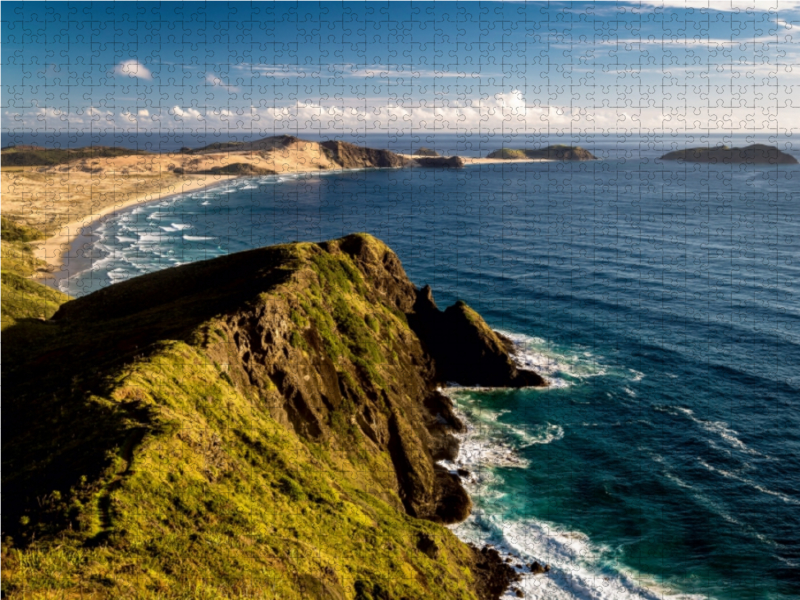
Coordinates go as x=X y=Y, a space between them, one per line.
x=360 y=67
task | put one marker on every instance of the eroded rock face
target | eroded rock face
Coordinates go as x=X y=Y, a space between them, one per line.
x=350 y=156
x=756 y=154
x=465 y=349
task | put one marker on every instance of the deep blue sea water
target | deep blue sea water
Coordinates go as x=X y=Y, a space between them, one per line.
x=663 y=302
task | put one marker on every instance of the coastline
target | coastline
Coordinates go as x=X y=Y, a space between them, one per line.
x=469 y=160
x=68 y=252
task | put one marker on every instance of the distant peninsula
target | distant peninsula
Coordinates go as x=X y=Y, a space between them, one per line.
x=755 y=154
x=556 y=152
x=64 y=191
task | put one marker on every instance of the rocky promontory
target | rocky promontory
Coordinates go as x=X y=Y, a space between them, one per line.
x=555 y=152
x=262 y=420
x=755 y=154
x=350 y=156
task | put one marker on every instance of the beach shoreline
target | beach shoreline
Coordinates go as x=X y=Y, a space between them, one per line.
x=68 y=252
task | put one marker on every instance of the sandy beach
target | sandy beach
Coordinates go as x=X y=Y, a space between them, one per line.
x=69 y=250
x=68 y=202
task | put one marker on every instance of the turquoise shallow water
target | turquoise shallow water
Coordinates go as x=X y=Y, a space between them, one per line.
x=660 y=299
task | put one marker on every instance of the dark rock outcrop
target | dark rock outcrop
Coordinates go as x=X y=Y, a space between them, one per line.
x=350 y=156
x=440 y=162
x=555 y=152
x=755 y=154
x=465 y=348
x=426 y=152
x=494 y=574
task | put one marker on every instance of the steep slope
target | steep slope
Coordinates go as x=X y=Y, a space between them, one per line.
x=350 y=156
x=23 y=299
x=265 y=422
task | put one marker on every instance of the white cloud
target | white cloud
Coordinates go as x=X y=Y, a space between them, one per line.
x=724 y=5
x=508 y=111
x=217 y=82
x=133 y=68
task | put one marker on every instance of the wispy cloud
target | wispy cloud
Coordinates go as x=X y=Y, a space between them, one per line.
x=217 y=82
x=723 y=5
x=133 y=68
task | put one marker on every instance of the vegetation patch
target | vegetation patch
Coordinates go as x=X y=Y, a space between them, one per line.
x=26 y=156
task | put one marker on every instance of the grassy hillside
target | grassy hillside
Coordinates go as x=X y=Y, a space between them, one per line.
x=27 y=156
x=23 y=299
x=269 y=436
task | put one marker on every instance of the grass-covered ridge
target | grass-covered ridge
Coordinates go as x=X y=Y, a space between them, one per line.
x=263 y=436
x=24 y=300
x=552 y=152
x=25 y=156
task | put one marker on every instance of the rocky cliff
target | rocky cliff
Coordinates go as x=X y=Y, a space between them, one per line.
x=350 y=156
x=755 y=154
x=267 y=420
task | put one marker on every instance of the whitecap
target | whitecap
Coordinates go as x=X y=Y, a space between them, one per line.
x=197 y=238
x=559 y=368
x=720 y=428
x=736 y=477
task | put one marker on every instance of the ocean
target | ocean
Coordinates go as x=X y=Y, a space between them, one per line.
x=662 y=300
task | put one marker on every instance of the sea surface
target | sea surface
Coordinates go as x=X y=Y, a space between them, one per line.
x=662 y=301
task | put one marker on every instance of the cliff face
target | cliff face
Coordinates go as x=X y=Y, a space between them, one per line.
x=265 y=420
x=756 y=154
x=350 y=156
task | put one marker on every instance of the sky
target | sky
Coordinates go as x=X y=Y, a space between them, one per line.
x=449 y=67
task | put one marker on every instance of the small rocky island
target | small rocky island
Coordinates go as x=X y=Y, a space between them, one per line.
x=755 y=154
x=555 y=152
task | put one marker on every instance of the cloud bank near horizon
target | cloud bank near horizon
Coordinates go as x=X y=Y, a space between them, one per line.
x=650 y=66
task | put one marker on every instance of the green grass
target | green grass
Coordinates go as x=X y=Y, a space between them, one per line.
x=28 y=156
x=23 y=299
x=150 y=465
x=508 y=154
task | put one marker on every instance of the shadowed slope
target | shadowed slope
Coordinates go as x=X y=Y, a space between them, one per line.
x=264 y=420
